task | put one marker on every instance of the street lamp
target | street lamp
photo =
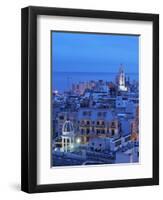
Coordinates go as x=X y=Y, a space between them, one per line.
x=78 y=140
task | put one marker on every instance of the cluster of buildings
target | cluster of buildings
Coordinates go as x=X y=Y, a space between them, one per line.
x=99 y=118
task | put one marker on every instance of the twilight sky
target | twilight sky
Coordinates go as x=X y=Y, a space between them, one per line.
x=78 y=52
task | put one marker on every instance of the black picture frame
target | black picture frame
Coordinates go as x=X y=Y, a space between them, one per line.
x=29 y=98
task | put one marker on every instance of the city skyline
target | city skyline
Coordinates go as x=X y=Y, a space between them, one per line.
x=95 y=109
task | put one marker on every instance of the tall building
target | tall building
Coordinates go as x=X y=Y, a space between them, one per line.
x=121 y=80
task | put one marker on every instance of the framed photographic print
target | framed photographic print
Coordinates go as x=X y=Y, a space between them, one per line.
x=90 y=99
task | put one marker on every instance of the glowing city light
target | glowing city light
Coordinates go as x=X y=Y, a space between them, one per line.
x=55 y=149
x=55 y=91
x=78 y=140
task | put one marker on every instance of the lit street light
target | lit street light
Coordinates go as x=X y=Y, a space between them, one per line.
x=78 y=140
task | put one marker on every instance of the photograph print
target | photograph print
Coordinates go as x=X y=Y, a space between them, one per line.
x=94 y=99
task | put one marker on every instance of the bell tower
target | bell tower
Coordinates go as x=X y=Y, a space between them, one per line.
x=121 y=80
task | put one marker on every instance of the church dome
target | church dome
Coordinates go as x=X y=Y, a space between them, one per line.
x=68 y=128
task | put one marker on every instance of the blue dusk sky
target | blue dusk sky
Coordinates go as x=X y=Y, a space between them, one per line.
x=85 y=52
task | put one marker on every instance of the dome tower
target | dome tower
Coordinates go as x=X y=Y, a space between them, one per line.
x=67 y=136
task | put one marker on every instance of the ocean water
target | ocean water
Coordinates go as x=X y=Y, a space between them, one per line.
x=62 y=81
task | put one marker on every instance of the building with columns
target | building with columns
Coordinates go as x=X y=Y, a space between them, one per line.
x=67 y=136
